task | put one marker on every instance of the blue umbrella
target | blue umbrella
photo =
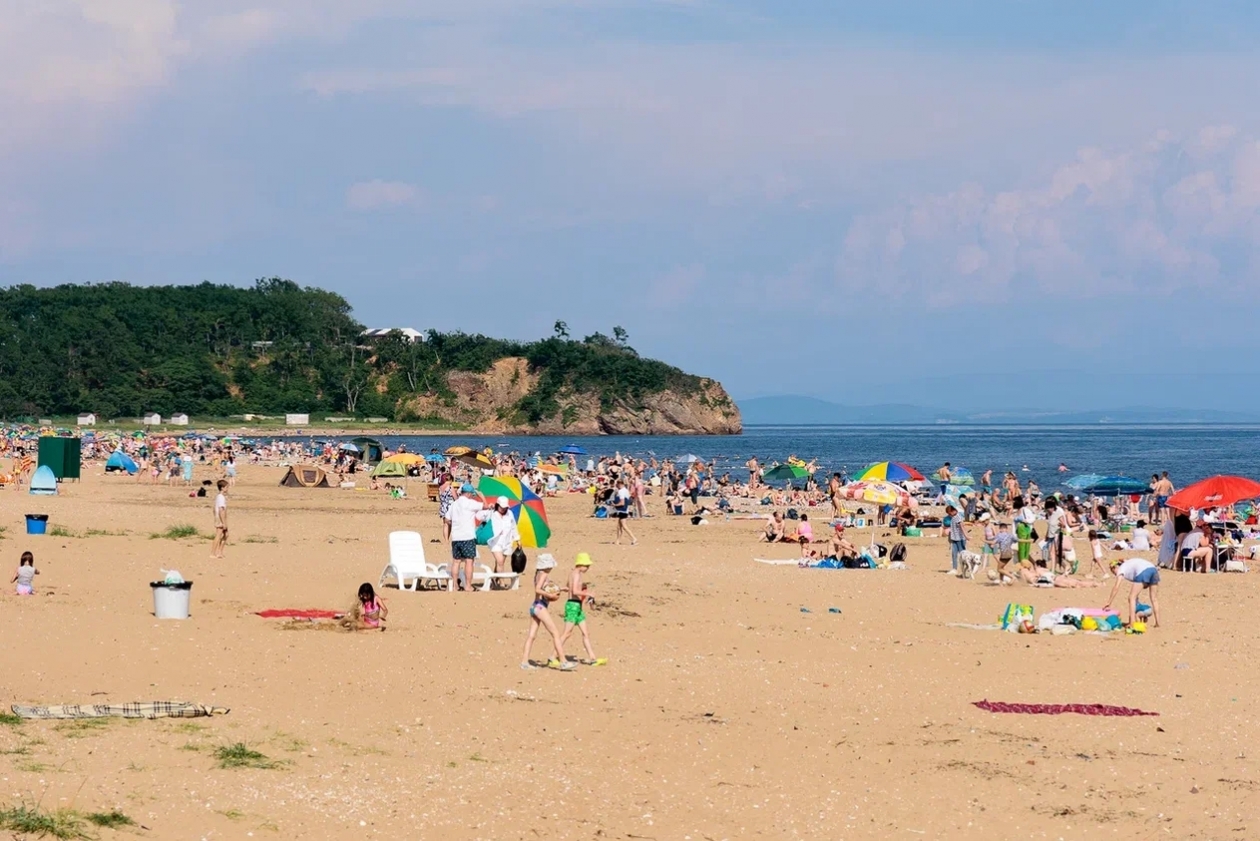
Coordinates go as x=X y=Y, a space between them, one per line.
x=434 y=458
x=1116 y=486
x=1083 y=481
x=572 y=450
x=351 y=448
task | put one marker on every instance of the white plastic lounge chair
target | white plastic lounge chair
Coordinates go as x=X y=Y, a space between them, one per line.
x=483 y=577
x=406 y=562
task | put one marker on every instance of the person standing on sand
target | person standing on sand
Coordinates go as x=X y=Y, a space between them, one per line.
x=945 y=474
x=621 y=511
x=1163 y=489
x=540 y=615
x=220 y=521
x=463 y=515
x=833 y=491
x=580 y=598
x=754 y=473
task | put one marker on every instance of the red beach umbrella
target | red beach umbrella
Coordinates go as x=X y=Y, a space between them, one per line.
x=1217 y=491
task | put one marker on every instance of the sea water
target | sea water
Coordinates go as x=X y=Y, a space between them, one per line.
x=1187 y=452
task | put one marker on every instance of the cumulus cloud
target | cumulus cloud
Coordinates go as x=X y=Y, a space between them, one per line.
x=1171 y=213
x=381 y=195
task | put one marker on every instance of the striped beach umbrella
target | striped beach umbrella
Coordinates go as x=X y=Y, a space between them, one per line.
x=888 y=471
x=526 y=506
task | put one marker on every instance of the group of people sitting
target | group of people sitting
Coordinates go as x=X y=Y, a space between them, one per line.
x=838 y=546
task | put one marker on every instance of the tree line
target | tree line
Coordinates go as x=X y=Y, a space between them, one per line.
x=120 y=350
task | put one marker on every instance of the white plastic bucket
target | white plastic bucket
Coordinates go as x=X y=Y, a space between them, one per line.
x=170 y=601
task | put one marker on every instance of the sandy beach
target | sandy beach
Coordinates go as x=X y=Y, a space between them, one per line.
x=726 y=712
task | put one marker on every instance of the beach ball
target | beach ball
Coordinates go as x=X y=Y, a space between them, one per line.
x=1089 y=623
x=993 y=575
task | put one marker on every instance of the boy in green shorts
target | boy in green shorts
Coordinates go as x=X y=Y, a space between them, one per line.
x=574 y=609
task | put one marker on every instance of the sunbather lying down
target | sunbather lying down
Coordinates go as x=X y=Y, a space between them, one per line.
x=1045 y=578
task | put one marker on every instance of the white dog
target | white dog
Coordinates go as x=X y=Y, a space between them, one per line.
x=969 y=563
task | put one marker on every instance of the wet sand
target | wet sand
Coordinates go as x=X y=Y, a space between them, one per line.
x=725 y=711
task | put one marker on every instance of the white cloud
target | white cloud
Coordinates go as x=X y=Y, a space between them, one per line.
x=381 y=195
x=1166 y=215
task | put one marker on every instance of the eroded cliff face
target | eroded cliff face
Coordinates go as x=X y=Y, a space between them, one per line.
x=486 y=404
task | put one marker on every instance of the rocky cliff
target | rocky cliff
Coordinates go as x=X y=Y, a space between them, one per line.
x=488 y=403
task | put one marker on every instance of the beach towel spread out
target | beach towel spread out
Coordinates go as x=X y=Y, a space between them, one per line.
x=1059 y=709
x=292 y=613
x=131 y=709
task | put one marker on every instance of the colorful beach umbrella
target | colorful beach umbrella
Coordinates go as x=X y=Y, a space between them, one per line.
x=1215 y=492
x=1083 y=481
x=879 y=493
x=552 y=469
x=526 y=506
x=469 y=456
x=888 y=471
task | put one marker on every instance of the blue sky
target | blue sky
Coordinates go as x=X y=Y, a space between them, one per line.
x=964 y=204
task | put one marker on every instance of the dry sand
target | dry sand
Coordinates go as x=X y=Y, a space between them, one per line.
x=725 y=711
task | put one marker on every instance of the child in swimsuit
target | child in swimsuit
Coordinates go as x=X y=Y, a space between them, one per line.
x=25 y=577
x=539 y=614
x=580 y=598
x=371 y=609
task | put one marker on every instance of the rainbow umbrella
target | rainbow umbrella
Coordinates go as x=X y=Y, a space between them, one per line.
x=888 y=471
x=526 y=506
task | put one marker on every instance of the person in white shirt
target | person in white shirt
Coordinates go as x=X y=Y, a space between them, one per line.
x=464 y=514
x=621 y=510
x=505 y=535
x=1140 y=540
x=220 y=521
x=1142 y=575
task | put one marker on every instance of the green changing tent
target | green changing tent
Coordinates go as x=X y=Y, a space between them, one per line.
x=61 y=455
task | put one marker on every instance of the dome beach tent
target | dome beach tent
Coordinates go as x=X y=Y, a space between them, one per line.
x=44 y=482
x=118 y=460
x=387 y=469
x=305 y=476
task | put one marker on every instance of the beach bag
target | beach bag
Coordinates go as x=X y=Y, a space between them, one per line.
x=1014 y=615
x=792 y=514
x=485 y=533
x=519 y=561
x=881 y=550
x=601 y=512
x=897 y=554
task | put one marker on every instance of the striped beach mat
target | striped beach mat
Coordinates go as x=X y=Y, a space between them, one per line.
x=131 y=709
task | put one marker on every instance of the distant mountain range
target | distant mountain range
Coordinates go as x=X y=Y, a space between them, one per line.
x=795 y=409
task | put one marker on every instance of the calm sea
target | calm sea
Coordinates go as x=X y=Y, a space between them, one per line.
x=1187 y=452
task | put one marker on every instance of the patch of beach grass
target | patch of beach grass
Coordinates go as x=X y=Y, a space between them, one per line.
x=232 y=814
x=105 y=533
x=62 y=531
x=32 y=767
x=240 y=755
x=65 y=824
x=289 y=742
x=113 y=819
x=177 y=532
x=81 y=727
x=260 y=538
x=10 y=719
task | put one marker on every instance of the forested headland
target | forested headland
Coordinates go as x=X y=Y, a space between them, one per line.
x=214 y=350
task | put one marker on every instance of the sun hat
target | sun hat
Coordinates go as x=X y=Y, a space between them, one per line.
x=467 y=489
x=582 y=560
x=502 y=502
x=545 y=561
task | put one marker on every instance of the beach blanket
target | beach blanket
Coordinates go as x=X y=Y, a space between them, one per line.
x=1058 y=709
x=131 y=709
x=294 y=613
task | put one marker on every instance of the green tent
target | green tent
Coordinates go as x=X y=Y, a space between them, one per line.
x=387 y=469
x=370 y=449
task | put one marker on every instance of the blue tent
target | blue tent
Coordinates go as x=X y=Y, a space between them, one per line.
x=120 y=461
x=44 y=482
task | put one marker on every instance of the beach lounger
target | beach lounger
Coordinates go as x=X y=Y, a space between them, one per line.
x=483 y=577
x=407 y=562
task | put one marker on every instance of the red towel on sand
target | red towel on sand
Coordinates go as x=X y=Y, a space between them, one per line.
x=1058 y=709
x=291 y=613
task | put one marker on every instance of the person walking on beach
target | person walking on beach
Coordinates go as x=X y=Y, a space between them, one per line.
x=1163 y=489
x=621 y=511
x=1056 y=521
x=220 y=521
x=944 y=475
x=580 y=598
x=540 y=615
x=957 y=537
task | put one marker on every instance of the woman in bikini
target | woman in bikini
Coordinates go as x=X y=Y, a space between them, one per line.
x=540 y=614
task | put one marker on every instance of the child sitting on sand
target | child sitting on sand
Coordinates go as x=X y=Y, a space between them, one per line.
x=369 y=610
x=25 y=577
